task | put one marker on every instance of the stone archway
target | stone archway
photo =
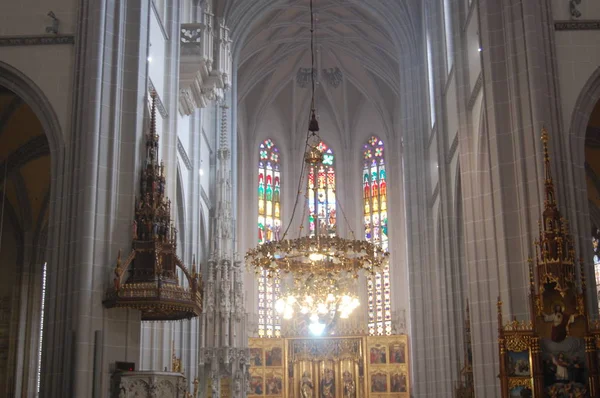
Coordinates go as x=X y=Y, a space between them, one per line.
x=584 y=136
x=592 y=177
x=24 y=201
x=30 y=137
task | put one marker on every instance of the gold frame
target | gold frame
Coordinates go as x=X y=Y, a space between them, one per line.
x=346 y=361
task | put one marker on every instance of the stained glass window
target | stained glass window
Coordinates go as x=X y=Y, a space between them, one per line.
x=42 y=308
x=269 y=228
x=321 y=195
x=374 y=184
x=596 y=247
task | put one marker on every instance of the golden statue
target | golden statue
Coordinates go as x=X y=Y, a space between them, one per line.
x=306 y=386
x=176 y=362
x=349 y=385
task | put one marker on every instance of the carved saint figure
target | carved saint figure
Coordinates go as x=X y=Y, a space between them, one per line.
x=328 y=384
x=349 y=385
x=560 y=323
x=306 y=386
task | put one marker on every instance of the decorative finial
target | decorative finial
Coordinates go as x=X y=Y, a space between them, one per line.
x=223 y=142
x=153 y=113
x=582 y=272
x=531 y=275
x=547 y=171
x=499 y=305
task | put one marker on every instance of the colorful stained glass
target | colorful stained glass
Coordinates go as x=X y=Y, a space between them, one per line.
x=321 y=195
x=374 y=183
x=596 y=248
x=269 y=228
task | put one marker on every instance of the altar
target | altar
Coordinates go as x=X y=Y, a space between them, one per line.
x=327 y=367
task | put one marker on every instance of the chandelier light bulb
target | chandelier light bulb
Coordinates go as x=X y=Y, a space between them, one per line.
x=316 y=329
x=280 y=306
x=316 y=257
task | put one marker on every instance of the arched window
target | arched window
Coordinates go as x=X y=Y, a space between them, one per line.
x=448 y=35
x=42 y=308
x=430 y=78
x=269 y=228
x=374 y=185
x=321 y=195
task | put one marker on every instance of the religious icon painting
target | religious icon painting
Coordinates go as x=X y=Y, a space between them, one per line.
x=377 y=355
x=518 y=364
x=274 y=357
x=564 y=367
x=379 y=382
x=273 y=384
x=520 y=391
x=563 y=353
x=398 y=352
x=398 y=382
x=256 y=385
x=256 y=357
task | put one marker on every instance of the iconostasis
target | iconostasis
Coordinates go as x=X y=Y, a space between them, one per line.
x=349 y=367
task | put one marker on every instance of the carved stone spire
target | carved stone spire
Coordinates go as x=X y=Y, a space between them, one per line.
x=224 y=350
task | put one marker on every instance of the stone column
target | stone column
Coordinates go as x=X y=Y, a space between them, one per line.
x=83 y=339
x=501 y=168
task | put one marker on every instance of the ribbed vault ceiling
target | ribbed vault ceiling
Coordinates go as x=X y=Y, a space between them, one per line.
x=363 y=40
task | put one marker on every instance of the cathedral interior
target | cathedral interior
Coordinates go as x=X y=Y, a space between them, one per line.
x=299 y=198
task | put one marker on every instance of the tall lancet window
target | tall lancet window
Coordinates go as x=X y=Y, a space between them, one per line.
x=269 y=228
x=596 y=247
x=374 y=185
x=321 y=194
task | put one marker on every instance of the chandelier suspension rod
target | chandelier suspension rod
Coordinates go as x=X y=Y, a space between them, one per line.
x=312 y=56
x=310 y=118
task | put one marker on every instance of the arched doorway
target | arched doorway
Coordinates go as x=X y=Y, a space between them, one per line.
x=24 y=200
x=592 y=174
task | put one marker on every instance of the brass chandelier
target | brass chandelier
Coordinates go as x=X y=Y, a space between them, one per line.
x=324 y=267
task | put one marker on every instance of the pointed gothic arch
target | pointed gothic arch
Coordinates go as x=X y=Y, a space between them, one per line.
x=43 y=154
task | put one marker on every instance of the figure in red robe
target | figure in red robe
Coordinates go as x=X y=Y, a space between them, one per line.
x=560 y=323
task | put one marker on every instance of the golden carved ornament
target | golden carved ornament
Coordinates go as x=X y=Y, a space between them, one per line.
x=175 y=362
x=580 y=305
x=501 y=343
x=591 y=343
x=535 y=345
x=519 y=382
x=518 y=326
x=517 y=343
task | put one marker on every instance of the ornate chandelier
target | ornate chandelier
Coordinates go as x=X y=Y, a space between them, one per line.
x=324 y=267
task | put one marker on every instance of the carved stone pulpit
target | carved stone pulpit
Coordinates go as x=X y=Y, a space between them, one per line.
x=149 y=384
